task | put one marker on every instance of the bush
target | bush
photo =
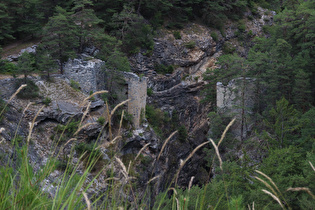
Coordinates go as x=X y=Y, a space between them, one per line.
x=101 y=120
x=214 y=36
x=182 y=133
x=190 y=45
x=162 y=69
x=177 y=35
x=7 y=67
x=47 y=101
x=75 y=85
x=241 y=26
x=228 y=48
x=29 y=92
x=149 y=92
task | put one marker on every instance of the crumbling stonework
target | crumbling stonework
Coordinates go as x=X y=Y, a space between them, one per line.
x=137 y=93
x=88 y=72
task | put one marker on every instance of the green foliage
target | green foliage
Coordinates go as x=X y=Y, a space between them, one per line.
x=7 y=67
x=214 y=36
x=162 y=69
x=182 y=133
x=60 y=36
x=132 y=30
x=29 y=92
x=190 y=45
x=75 y=85
x=88 y=148
x=149 y=92
x=47 y=101
x=101 y=120
x=177 y=35
x=283 y=122
x=241 y=26
x=228 y=48
x=25 y=64
x=45 y=62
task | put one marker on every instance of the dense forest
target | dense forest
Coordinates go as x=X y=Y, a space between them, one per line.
x=281 y=65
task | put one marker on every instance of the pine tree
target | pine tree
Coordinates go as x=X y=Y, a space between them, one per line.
x=6 y=30
x=25 y=64
x=87 y=22
x=60 y=36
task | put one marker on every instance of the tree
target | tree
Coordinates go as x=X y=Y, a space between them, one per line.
x=60 y=36
x=87 y=22
x=25 y=64
x=283 y=122
x=116 y=64
x=6 y=30
x=45 y=62
x=132 y=30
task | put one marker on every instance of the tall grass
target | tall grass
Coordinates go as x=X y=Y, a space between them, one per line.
x=22 y=187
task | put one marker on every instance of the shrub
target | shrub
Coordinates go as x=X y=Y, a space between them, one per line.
x=214 y=36
x=190 y=45
x=177 y=35
x=241 y=26
x=47 y=101
x=29 y=92
x=182 y=133
x=75 y=85
x=101 y=120
x=162 y=69
x=149 y=92
x=228 y=48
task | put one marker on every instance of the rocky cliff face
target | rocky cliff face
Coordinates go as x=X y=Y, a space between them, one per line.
x=190 y=55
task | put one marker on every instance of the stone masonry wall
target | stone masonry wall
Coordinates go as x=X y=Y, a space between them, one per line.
x=137 y=92
x=88 y=73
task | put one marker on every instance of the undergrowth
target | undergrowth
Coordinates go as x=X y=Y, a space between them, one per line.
x=24 y=187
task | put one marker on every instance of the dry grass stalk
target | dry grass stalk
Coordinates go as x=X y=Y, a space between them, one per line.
x=261 y=173
x=26 y=108
x=266 y=184
x=109 y=122
x=189 y=156
x=226 y=130
x=217 y=152
x=72 y=139
x=107 y=144
x=154 y=178
x=88 y=203
x=178 y=206
x=166 y=141
x=16 y=92
x=32 y=125
x=274 y=197
x=85 y=113
x=97 y=92
x=312 y=166
x=174 y=190
x=84 y=126
x=121 y=120
x=117 y=106
x=129 y=165
x=112 y=178
x=190 y=182
x=122 y=166
x=143 y=148
x=301 y=189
